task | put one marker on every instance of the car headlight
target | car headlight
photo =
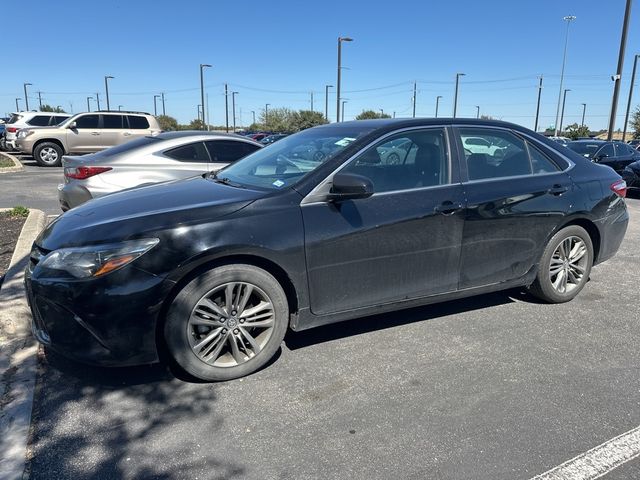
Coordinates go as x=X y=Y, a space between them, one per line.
x=24 y=133
x=97 y=260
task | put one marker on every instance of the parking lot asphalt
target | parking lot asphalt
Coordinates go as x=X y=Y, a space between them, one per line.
x=35 y=187
x=491 y=387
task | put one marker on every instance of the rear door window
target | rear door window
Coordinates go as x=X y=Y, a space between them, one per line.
x=192 y=152
x=39 y=121
x=87 y=121
x=605 y=151
x=112 y=121
x=540 y=163
x=228 y=151
x=504 y=155
x=137 y=123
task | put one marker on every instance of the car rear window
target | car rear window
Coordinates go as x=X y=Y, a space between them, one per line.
x=138 y=123
x=14 y=118
x=586 y=149
x=39 y=121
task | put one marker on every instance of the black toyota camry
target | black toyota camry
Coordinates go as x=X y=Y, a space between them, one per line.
x=213 y=270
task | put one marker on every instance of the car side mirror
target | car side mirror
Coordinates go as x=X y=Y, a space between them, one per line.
x=349 y=186
x=73 y=125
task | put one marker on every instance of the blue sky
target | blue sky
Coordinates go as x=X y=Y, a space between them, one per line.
x=276 y=52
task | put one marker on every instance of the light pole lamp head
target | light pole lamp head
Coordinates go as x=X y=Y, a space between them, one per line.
x=329 y=86
x=108 y=77
x=569 y=18
x=27 y=84
x=203 y=65
x=460 y=74
x=345 y=39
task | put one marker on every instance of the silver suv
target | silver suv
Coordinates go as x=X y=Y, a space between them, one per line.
x=84 y=133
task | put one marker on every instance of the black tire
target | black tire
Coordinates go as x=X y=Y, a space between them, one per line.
x=543 y=287
x=178 y=331
x=48 y=154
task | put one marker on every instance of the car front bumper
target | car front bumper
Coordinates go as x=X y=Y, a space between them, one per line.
x=108 y=321
x=25 y=145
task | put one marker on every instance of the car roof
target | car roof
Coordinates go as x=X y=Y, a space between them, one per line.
x=195 y=133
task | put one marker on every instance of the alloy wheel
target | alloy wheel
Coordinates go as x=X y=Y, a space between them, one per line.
x=231 y=324
x=568 y=265
x=49 y=155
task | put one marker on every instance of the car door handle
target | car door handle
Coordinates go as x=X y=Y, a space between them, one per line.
x=447 y=208
x=558 y=189
x=127 y=134
x=95 y=133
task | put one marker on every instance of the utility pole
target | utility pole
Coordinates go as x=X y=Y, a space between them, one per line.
x=633 y=79
x=584 y=110
x=233 y=102
x=618 y=76
x=343 y=102
x=17 y=106
x=414 y=100
x=535 y=126
x=26 y=97
x=266 y=115
x=226 y=107
x=163 y=110
x=326 y=101
x=311 y=101
x=89 y=104
x=98 y=99
x=202 y=67
x=119 y=108
x=155 y=107
x=106 y=88
x=564 y=99
x=253 y=112
x=40 y=100
x=437 y=104
x=477 y=111
x=455 y=97
x=568 y=19
x=340 y=40
x=199 y=113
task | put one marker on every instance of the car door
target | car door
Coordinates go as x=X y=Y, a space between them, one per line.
x=187 y=160
x=625 y=155
x=403 y=242
x=606 y=155
x=514 y=201
x=138 y=126
x=85 y=136
x=113 y=129
x=224 y=152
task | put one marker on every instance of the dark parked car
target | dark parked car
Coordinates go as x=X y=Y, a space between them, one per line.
x=616 y=155
x=631 y=175
x=269 y=139
x=635 y=143
x=215 y=269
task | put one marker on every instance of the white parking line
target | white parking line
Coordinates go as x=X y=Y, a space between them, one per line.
x=599 y=460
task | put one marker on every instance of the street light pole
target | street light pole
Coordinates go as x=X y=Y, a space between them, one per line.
x=17 y=106
x=253 y=112
x=477 y=111
x=155 y=107
x=98 y=99
x=40 y=100
x=564 y=99
x=618 y=76
x=200 y=110
x=414 y=100
x=326 y=101
x=340 y=40
x=163 y=110
x=119 y=108
x=89 y=104
x=226 y=107
x=266 y=115
x=343 y=102
x=202 y=67
x=455 y=97
x=535 y=125
x=311 y=101
x=568 y=19
x=26 y=97
x=106 y=89
x=438 y=104
x=584 y=110
x=233 y=103
x=633 y=79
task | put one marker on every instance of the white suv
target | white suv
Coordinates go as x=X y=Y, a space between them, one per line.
x=20 y=120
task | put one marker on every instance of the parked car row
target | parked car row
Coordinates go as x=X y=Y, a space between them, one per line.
x=616 y=155
x=20 y=120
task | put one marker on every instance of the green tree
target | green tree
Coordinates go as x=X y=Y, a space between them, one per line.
x=167 y=123
x=635 y=122
x=574 y=131
x=280 y=120
x=49 y=108
x=196 y=124
x=370 y=114
x=304 y=119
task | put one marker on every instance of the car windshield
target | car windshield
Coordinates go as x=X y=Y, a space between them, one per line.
x=584 y=148
x=128 y=146
x=287 y=161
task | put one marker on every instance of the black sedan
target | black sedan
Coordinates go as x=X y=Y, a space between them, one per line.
x=616 y=155
x=631 y=175
x=213 y=270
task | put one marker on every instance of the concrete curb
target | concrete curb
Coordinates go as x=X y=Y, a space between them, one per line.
x=17 y=354
x=18 y=167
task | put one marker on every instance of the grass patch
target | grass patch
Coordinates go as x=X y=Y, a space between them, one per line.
x=19 y=211
x=5 y=162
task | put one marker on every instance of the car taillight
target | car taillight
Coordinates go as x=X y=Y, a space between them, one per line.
x=81 y=173
x=12 y=129
x=620 y=188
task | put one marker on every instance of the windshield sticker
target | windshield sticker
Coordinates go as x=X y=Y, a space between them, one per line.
x=278 y=183
x=345 y=141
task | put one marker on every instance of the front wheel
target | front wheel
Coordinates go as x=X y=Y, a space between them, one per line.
x=565 y=266
x=48 y=154
x=227 y=322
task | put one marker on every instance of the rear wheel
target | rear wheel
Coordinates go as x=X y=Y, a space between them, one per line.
x=227 y=323
x=48 y=154
x=565 y=266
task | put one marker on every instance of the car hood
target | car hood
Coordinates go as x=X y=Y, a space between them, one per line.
x=145 y=211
